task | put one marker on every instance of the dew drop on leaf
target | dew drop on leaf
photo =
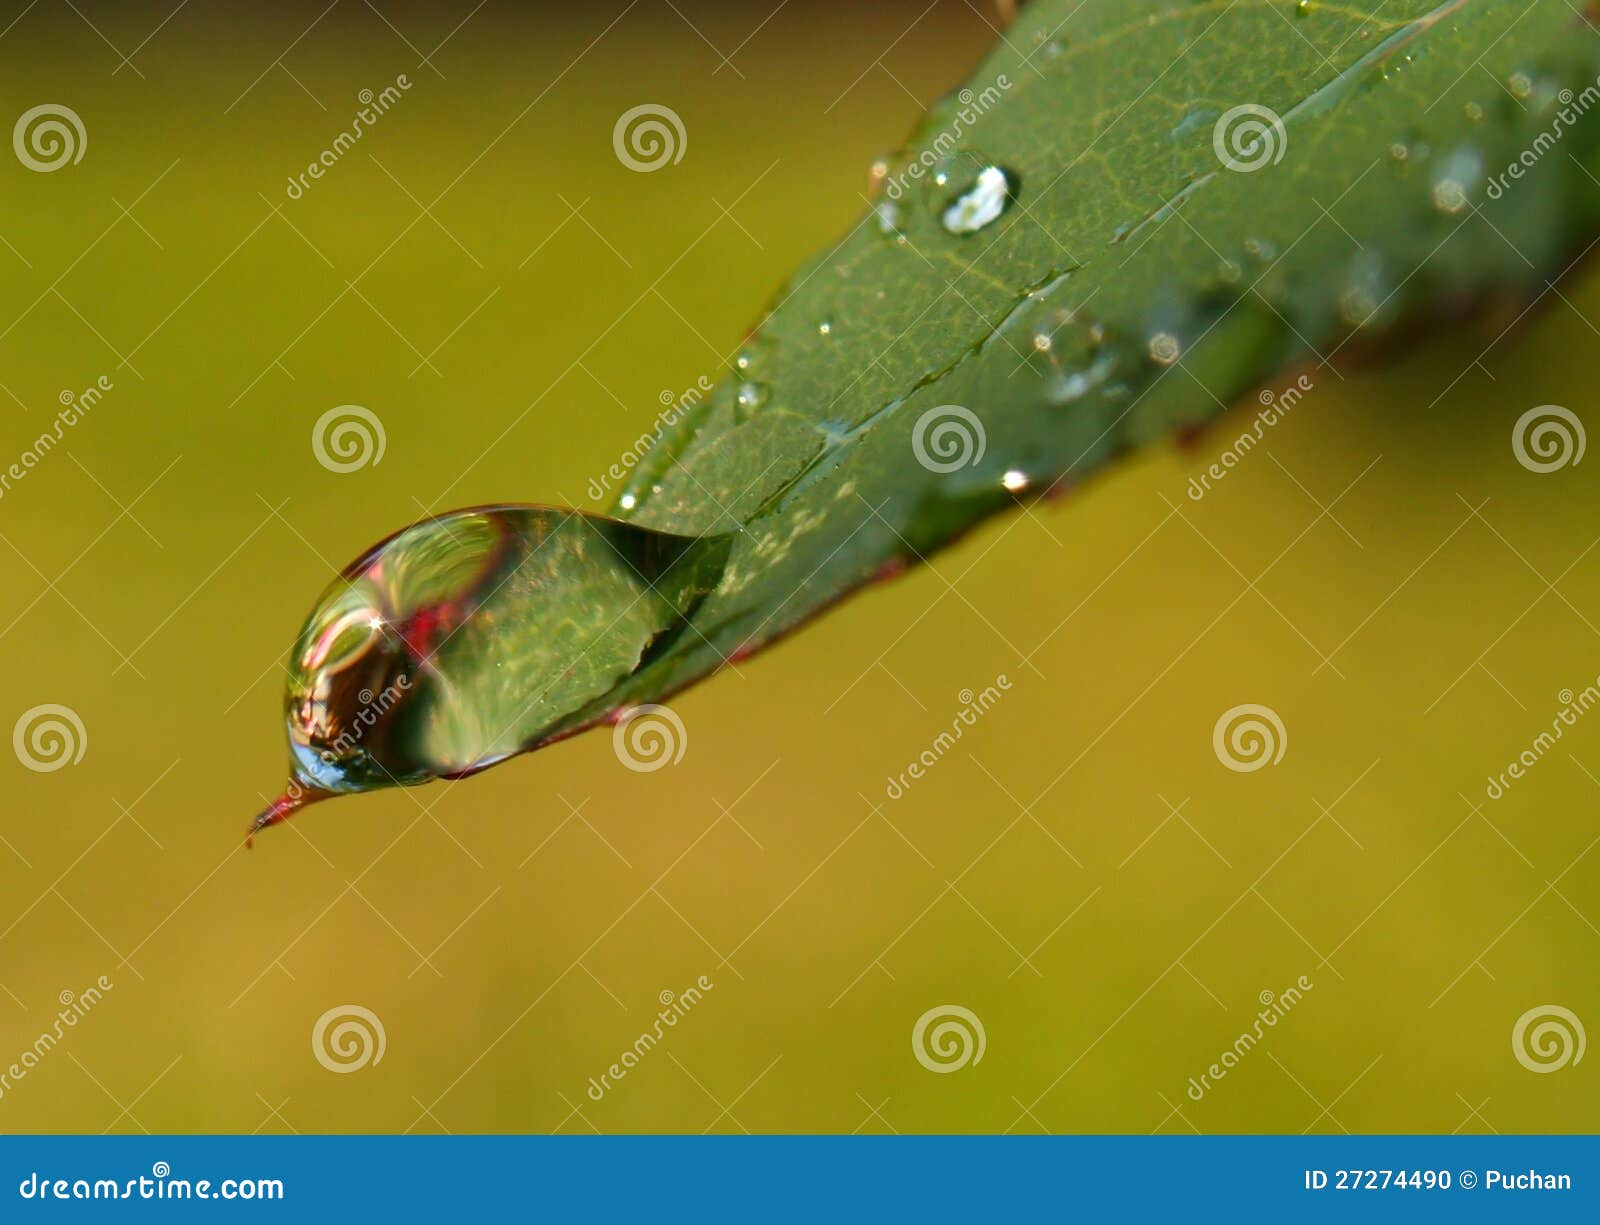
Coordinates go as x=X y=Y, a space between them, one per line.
x=752 y=396
x=1164 y=348
x=465 y=639
x=980 y=204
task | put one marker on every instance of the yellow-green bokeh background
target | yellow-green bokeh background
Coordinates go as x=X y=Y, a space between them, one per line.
x=229 y=318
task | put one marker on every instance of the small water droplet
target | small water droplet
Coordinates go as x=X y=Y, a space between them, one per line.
x=1520 y=84
x=1366 y=291
x=981 y=203
x=1164 y=348
x=752 y=395
x=1302 y=8
x=1042 y=342
x=824 y=328
x=627 y=501
x=1473 y=111
x=1457 y=176
x=1015 y=481
x=888 y=213
x=1197 y=120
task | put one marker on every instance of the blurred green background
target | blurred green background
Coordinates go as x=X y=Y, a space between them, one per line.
x=482 y=273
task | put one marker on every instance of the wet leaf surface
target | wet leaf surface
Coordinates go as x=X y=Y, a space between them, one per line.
x=1132 y=215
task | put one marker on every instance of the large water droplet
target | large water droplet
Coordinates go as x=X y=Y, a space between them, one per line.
x=474 y=636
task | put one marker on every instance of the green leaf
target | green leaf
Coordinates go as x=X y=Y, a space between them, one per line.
x=1137 y=284
x=1132 y=215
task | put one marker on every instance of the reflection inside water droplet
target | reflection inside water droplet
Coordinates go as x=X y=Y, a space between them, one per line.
x=981 y=203
x=750 y=397
x=468 y=638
